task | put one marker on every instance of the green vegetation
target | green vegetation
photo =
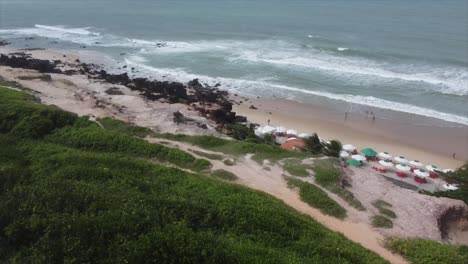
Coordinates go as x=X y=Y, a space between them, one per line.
x=328 y=175
x=316 y=197
x=313 y=145
x=229 y=162
x=295 y=167
x=459 y=177
x=120 y=126
x=224 y=175
x=261 y=151
x=211 y=156
x=429 y=252
x=71 y=192
x=382 y=206
x=381 y=221
x=333 y=148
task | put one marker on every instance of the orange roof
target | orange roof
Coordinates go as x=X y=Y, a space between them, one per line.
x=293 y=144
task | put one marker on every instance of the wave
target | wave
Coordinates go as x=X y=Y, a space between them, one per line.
x=79 y=31
x=338 y=62
x=251 y=87
x=453 y=80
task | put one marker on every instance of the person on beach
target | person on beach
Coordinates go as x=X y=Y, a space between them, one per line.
x=268 y=121
x=453 y=156
x=345 y=116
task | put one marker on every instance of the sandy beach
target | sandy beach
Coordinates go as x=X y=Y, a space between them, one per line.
x=429 y=144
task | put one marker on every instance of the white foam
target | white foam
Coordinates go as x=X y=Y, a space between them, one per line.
x=252 y=87
x=447 y=80
x=79 y=31
x=342 y=49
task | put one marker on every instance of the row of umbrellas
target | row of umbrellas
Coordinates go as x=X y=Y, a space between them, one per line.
x=260 y=131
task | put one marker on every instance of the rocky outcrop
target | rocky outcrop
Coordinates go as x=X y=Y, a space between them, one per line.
x=211 y=102
x=452 y=217
x=22 y=60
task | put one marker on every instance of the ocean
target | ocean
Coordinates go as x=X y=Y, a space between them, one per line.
x=350 y=55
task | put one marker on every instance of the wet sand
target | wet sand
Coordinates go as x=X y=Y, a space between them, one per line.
x=431 y=144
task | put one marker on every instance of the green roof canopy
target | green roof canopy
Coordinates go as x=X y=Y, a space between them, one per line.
x=353 y=162
x=369 y=152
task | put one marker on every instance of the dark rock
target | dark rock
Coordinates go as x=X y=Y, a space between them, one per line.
x=253 y=107
x=25 y=62
x=114 y=91
x=240 y=119
x=4 y=43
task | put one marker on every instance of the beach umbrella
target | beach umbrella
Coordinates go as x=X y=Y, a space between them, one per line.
x=403 y=167
x=291 y=132
x=448 y=170
x=259 y=132
x=349 y=147
x=369 y=152
x=353 y=162
x=358 y=157
x=344 y=154
x=416 y=163
x=421 y=173
x=431 y=168
x=386 y=163
x=384 y=155
x=451 y=187
x=280 y=130
x=304 y=135
x=400 y=159
x=268 y=129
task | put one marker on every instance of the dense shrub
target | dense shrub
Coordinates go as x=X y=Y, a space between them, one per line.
x=317 y=198
x=224 y=175
x=96 y=139
x=119 y=126
x=381 y=221
x=429 y=252
x=81 y=196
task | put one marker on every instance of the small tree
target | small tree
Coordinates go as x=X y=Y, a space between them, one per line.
x=332 y=148
x=313 y=145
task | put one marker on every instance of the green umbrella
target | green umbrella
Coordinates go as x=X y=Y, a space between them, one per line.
x=369 y=152
x=353 y=162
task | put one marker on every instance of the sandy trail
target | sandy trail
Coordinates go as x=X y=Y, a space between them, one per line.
x=252 y=174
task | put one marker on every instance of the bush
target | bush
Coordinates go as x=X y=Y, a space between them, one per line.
x=420 y=251
x=381 y=221
x=120 y=126
x=329 y=176
x=295 y=168
x=229 y=162
x=224 y=175
x=96 y=139
x=317 y=198
x=382 y=206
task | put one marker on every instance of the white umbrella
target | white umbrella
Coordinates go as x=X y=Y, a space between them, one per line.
x=400 y=159
x=431 y=168
x=448 y=170
x=384 y=155
x=403 y=167
x=259 y=132
x=349 y=147
x=291 y=132
x=280 y=130
x=451 y=187
x=421 y=173
x=268 y=129
x=358 y=157
x=386 y=163
x=344 y=154
x=416 y=163
x=304 y=135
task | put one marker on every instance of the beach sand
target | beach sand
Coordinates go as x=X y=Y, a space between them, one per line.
x=433 y=145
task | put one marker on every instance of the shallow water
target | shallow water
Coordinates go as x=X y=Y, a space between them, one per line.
x=409 y=56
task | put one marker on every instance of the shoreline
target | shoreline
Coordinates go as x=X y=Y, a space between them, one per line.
x=433 y=145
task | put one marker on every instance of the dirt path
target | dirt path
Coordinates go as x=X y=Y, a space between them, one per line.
x=253 y=175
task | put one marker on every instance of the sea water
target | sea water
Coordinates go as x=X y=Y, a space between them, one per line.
x=407 y=56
